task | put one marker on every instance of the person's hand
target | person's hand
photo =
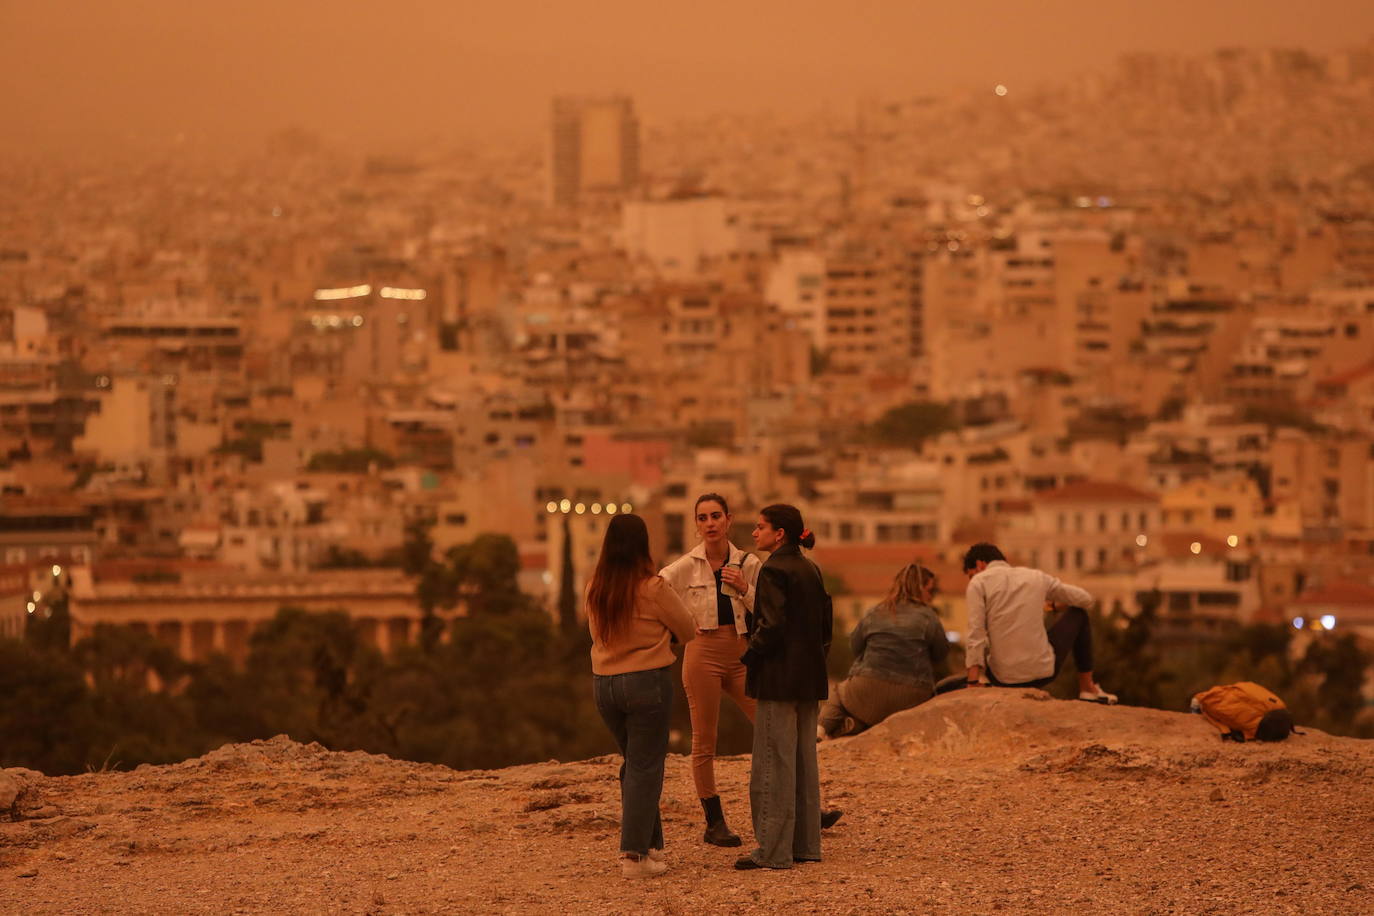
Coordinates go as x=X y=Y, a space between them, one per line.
x=734 y=577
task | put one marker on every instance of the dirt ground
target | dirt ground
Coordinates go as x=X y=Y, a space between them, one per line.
x=977 y=802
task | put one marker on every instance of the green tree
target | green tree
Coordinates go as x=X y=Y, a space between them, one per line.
x=485 y=573
x=311 y=676
x=126 y=657
x=435 y=583
x=50 y=630
x=912 y=423
x=46 y=718
x=1339 y=665
x=567 y=595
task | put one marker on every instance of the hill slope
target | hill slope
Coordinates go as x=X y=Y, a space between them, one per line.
x=980 y=801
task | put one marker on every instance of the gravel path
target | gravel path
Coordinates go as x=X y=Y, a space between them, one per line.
x=978 y=802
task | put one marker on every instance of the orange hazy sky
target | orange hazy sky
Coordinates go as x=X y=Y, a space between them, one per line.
x=231 y=71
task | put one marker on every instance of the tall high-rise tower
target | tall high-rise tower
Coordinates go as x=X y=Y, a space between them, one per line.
x=595 y=149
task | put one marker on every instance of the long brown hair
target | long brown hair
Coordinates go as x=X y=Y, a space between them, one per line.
x=908 y=587
x=624 y=564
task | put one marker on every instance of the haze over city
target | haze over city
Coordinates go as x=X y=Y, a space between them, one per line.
x=384 y=76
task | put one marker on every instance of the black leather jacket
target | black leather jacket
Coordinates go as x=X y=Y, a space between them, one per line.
x=791 y=631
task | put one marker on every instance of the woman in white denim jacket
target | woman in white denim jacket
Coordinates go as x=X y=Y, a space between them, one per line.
x=716 y=581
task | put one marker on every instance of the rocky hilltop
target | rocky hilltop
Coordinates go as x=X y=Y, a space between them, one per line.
x=977 y=802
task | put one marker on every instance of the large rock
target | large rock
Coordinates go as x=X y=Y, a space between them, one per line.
x=18 y=790
x=10 y=787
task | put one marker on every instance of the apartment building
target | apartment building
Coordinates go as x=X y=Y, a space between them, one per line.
x=594 y=149
x=1083 y=526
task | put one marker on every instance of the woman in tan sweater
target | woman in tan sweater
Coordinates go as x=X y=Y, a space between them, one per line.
x=634 y=618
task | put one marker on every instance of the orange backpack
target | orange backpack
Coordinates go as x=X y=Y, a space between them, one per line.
x=1244 y=711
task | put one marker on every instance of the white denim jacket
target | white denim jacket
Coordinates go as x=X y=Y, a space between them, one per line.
x=691 y=577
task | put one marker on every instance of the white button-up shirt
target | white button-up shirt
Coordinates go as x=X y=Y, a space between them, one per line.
x=1006 y=620
x=691 y=576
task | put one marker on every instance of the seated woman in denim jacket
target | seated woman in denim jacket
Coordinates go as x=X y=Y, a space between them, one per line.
x=896 y=647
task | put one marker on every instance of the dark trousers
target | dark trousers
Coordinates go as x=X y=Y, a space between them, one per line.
x=636 y=708
x=1070 y=634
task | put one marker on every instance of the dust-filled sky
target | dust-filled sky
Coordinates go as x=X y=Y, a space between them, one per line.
x=87 y=72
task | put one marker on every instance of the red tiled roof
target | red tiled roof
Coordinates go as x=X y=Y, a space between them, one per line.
x=1341 y=593
x=1346 y=377
x=868 y=569
x=119 y=570
x=1097 y=491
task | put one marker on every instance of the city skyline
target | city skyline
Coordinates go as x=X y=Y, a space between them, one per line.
x=147 y=73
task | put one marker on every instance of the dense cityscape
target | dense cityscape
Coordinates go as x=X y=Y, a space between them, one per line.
x=1122 y=326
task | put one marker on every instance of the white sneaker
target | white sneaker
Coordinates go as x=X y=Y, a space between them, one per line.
x=642 y=868
x=1098 y=695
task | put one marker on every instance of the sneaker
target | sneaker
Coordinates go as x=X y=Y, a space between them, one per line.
x=645 y=867
x=1098 y=695
x=657 y=855
x=830 y=818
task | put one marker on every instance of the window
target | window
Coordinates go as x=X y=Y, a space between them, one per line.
x=1101 y=556
x=456 y=518
x=1101 y=521
x=1223 y=513
x=1059 y=555
x=1078 y=558
x=674 y=522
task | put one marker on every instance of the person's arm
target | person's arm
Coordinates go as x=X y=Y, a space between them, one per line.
x=858 y=637
x=827 y=612
x=749 y=569
x=675 y=574
x=976 y=649
x=770 y=616
x=1064 y=593
x=672 y=612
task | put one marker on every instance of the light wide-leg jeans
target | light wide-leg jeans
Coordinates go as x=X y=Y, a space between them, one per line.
x=784 y=784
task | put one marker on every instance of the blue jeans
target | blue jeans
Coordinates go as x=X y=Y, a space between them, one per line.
x=784 y=784
x=636 y=708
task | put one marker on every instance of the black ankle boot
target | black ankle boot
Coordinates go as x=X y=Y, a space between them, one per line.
x=717 y=833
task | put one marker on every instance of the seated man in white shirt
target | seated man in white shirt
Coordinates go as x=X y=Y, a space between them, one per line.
x=1007 y=637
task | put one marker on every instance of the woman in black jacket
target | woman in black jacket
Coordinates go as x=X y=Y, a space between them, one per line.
x=786 y=674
